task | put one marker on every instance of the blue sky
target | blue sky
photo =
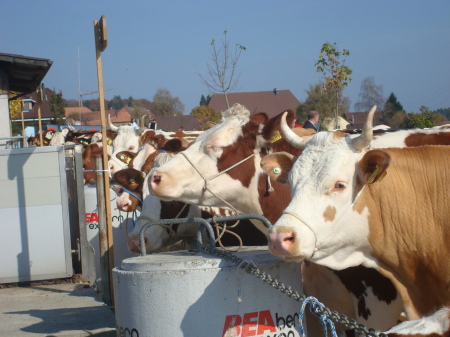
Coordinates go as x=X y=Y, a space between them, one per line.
x=403 y=44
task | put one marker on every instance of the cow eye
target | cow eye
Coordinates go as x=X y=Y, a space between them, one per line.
x=131 y=148
x=215 y=148
x=340 y=185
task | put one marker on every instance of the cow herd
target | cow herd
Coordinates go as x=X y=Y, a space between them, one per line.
x=365 y=214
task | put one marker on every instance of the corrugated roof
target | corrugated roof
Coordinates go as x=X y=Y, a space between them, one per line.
x=271 y=102
x=25 y=73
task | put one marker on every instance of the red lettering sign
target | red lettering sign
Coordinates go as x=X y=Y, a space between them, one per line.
x=250 y=321
x=265 y=322
x=91 y=217
x=253 y=324
x=232 y=322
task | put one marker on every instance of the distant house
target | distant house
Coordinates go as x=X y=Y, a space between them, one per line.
x=357 y=119
x=174 y=123
x=31 y=109
x=118 y=117
x=271 y=102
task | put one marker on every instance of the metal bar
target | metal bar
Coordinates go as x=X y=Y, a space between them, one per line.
x=205 y=225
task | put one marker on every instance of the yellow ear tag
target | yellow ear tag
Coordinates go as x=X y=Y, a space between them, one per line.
x=275 y=136
x=374 y=174
x=109 y=141
x=277 y=170
x=128 y=160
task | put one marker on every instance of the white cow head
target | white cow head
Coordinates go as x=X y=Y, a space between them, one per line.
x=59 y=138
x=185 y=176
x=323 y=222
x=127 y=139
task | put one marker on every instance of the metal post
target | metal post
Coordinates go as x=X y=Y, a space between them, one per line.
x=105 y=263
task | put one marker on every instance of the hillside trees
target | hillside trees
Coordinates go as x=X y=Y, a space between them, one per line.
x=424 y=119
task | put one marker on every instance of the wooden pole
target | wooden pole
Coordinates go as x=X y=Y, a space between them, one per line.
x=105 y=263
x=24 y=138
x=99 y=32
x=39 y=103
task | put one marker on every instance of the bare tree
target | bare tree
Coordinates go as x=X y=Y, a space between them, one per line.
x=221 y=72
x=370 y=95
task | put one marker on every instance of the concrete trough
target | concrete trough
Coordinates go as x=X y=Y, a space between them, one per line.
x=197 y=294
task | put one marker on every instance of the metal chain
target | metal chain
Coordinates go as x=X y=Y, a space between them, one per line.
x=318 y=310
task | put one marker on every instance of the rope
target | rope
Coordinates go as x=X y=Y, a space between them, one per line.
x=206 y=187
x=315 y=305
x=134 y=195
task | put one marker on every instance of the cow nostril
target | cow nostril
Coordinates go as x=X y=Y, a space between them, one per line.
x=156 y=179
x=290 y=238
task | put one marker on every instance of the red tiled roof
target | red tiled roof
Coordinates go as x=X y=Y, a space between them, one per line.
x=271 y=102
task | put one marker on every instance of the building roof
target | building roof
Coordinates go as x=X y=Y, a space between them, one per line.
x=174 y=123
x=357 y=119
x=77 y=109
x=25 y=73
x=271 y=102
x=46 y=112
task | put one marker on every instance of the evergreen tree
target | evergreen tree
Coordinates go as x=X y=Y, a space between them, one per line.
x=57 y=106
x=116 y=103
x=205 y=101
x=391 y=108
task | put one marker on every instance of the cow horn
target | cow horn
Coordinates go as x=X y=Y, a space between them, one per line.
x=290 y=136
x=142 y=121
x=367 y=131
x=111 y=125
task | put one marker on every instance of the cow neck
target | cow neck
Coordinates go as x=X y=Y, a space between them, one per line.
x=333 y=229
x=206 y=187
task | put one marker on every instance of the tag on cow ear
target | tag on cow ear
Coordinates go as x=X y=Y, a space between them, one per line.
x=373 y=166
x=277 y=166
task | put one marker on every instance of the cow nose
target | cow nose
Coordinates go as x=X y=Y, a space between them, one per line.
x=281 y=242
x=155 y=180
x=112 y=169
x=134 y=244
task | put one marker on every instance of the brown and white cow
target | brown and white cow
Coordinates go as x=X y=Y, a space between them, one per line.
x=387 y=209
x=222 y=168
x=159 y=237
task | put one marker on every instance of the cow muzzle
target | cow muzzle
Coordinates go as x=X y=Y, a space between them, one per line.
x=291 y=240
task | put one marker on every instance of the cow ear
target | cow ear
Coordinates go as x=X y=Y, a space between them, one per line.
x=259 y=118
x=277 y=165
x=64 y=132
x=373 y=166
